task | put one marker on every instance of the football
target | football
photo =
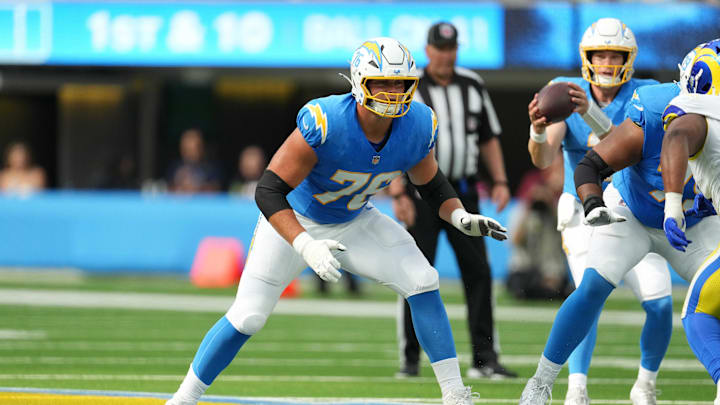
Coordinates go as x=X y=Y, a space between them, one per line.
x=554 y=102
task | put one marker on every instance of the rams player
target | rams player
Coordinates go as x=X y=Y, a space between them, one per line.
x=692 y=123
x=607 y=51
x=632 y=208
x=315 y=212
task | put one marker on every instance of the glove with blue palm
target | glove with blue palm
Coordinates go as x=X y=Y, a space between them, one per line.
x=702 y=207
x=674 y=222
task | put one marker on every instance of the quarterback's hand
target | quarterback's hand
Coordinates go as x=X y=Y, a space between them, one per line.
x=317 y=253
x=702 y=207
x=675 y=233
x=602 y=216
x=539 y=122
x=477 y=225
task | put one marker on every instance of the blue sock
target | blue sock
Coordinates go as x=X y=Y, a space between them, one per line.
x=656 y=332
x=432 y=326
x=576 y=316
x=217 y=350
x=579 y=360
x=703 y=335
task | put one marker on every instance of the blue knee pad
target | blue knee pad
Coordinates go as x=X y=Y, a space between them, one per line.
x=217 y=350
x=703 y=335
x=576 y=316
x=656 y=332
x=432 y=326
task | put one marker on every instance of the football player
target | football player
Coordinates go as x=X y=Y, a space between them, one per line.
x=632 y=208
x=692 y=124
x=607 y=51
x=315 y=212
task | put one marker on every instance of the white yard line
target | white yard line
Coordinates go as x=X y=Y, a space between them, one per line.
x=345 y=308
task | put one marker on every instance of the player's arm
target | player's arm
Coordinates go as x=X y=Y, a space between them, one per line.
x=435 y=189
x=290 y=165
x=600 y=124
x=684 y=137
x=545 y=139
x=621 y=148
x=287 y=169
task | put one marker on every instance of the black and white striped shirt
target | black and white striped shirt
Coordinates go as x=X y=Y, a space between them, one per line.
x=466 y=118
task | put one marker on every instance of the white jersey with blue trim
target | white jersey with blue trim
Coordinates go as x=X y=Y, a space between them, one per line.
x=579 y=138
x=641 y=185
x=705 y=164
x=349 y=170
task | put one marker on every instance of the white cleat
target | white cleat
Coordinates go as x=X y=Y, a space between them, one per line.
x=460 y=396
x=643 y=393
x=536 y=393
x=577 y=395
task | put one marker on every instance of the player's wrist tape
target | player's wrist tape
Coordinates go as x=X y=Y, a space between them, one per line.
x=537 y=137
x=592 y=202
x=436 y=191
x=673 y=205
x=270 y=194
x=596 y=119
x=301 y=241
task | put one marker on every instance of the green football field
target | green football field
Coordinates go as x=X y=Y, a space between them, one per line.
x=138 y=334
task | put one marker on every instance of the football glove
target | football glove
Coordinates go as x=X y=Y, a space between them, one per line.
x=674 y=222
x=602 y=216
x=702 y=207
x=675 y=234
x=317 y=253
x=477 y=225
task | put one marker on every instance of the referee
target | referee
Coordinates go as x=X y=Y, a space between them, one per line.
x=468 y=131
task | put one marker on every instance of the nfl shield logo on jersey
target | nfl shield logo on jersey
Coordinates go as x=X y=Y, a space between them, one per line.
x=376 y=159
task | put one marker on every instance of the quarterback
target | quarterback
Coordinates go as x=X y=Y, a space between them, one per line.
x=315 y=212
x=632 y=210
x=607 y=50
x=692 y=123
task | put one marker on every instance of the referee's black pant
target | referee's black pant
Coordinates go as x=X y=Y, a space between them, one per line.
x=474 y=271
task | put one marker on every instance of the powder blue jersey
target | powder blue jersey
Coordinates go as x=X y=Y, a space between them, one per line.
x=641 y=185
x=349 y=170
x=579 y=138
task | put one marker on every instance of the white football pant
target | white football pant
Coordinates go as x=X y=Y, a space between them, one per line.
x=648 y=280
x=377 y=248
x=618 y=247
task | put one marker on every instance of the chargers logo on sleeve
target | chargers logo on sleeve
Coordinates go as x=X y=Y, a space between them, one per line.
x=671 y=112
x=433 y=136
x=320 y=120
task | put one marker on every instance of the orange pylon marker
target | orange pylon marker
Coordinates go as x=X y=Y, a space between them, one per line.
x=218 y=262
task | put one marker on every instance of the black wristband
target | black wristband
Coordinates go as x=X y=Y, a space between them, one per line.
x=592 y=202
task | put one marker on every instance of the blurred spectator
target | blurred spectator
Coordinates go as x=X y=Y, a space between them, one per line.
x=193 y=173
x=251 y=164
x=538 y=268
x=121 y=174
x=19 y=174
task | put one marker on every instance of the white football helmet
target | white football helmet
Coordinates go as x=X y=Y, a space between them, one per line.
x=700 y=69
x=383 y=59
x=608 y=34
